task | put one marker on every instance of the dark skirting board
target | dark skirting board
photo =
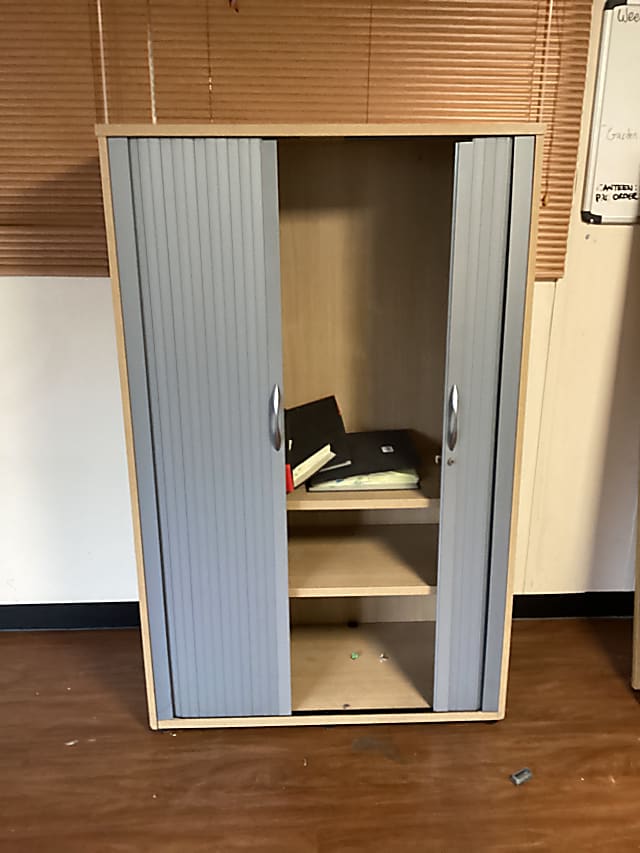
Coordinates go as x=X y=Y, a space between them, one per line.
x=124 y=614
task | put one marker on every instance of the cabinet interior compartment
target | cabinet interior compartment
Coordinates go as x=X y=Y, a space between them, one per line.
x=374 y=666
x=365 y=231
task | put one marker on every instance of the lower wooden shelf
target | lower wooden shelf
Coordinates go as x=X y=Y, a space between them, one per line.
x=375 y=666
x=385 y=559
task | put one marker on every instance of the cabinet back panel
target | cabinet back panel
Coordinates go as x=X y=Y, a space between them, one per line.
x=340 y=611
x=364 y=243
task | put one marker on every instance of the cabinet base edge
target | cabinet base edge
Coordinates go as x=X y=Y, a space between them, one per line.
x=332 y=720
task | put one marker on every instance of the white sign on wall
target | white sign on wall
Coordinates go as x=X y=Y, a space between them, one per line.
x=611 y=190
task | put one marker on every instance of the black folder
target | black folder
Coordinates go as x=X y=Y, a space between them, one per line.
x=373 y=452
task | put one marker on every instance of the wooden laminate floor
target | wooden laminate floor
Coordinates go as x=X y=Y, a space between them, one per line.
x=81 y=772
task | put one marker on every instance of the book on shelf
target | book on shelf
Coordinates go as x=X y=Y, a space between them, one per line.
x=315 y=437
x=382 y=459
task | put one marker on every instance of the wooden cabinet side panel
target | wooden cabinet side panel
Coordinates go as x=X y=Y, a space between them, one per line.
x=516 y=508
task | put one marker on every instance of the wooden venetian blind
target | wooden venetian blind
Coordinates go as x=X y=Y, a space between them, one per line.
x=51 y=218
x=300 y=60
x=291 y=61
x=120 y=34
x=522 y=59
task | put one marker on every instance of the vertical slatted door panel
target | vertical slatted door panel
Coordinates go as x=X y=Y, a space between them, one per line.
x=206 y=220
x=145 y=486
x=478 y=263
x=498 y=609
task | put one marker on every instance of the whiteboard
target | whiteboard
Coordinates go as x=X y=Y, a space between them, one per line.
x=611 y=192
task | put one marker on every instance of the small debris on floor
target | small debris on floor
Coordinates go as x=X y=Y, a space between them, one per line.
x=68 y=689
x=521 y=776
x=154 y=796
x=345 y=706
x=37 y=692
x=381 y=746
x=91 y=740
x=382 y=657
x=355 y=655
x=71 y=742
x=582 y=778
x=304 y=762
x=612 y=780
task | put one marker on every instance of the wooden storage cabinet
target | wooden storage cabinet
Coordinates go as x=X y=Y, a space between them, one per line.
x=256 y=267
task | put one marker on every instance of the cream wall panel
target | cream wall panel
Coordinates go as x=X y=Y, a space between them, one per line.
x=583 y=502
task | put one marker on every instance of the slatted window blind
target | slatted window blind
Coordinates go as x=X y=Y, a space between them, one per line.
x=50 y=202
x=273 y=60
x=121 y=33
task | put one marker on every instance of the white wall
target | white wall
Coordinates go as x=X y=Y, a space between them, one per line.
x=581 y=445
x=65 y=526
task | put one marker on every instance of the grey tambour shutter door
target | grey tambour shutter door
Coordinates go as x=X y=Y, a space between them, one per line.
x=509 y=385
x=482 y=192
x=207 y=282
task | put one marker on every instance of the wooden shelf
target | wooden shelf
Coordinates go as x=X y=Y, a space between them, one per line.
x=301 y=499
x=363 y=561
x=325 y=676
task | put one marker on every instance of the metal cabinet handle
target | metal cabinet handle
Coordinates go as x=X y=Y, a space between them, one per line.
x=452 y=418
x=274 y=417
